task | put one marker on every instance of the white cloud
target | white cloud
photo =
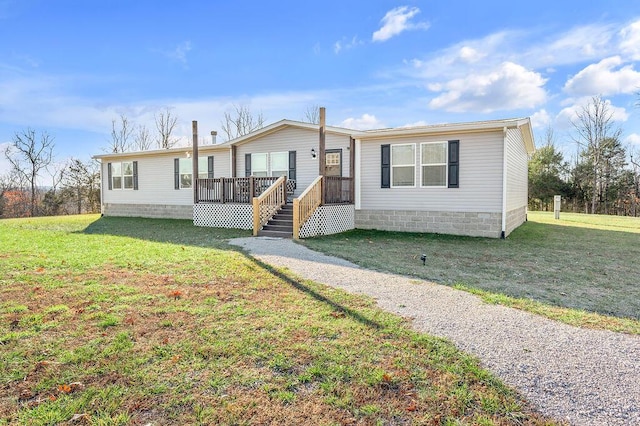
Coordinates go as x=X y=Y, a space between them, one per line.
x=469 y=54
x=540 y=119
x=396 y=21
x=633 y=139
x=509 y=86
x=345 y=44
x=569 y=115
x=365 y=122
x=607 y=77
x=179 y=53
x=630 y=43
x=419 y=123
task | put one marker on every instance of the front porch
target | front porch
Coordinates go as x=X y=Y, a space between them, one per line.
x=325 y=207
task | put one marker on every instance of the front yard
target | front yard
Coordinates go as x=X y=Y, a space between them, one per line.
x=111 y=321
x=581 y=262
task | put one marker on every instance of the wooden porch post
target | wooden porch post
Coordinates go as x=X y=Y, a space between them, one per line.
x=352 y=168
x=233 y=161
x=322 y=161
x=194 y=177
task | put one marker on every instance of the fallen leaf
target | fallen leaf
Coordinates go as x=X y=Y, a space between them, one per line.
x=64 y=388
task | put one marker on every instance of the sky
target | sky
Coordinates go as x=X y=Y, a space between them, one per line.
x=69 y=68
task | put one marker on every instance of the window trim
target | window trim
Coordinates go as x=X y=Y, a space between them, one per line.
x=393 y=166
x=445 y=164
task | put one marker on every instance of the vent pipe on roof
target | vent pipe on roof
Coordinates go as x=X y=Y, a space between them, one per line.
x=213 y=136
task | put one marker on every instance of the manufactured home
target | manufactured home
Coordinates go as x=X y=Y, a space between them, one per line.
x=300 y=179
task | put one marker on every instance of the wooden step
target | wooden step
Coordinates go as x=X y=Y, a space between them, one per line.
x=275 y=234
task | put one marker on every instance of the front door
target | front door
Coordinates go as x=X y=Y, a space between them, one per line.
x=333 y=162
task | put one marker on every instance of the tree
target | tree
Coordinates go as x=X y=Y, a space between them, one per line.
x=29 y=154
x=312 y=114
x=142 y=139
x=546 y=168
x=81 y=184
x=120 y=134
x=165 y=124
x=594 y=124
x=240 y=122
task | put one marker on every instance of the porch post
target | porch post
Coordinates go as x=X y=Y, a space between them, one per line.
x=194 y=177
x=321 y=148
x=352 y=168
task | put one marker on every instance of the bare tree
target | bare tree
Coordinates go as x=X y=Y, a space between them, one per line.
x=241 y=121
x=166 y=123
x=312 y=114
x=594 y=125
x=142 y=139
x=29 y=155
x=121 y=131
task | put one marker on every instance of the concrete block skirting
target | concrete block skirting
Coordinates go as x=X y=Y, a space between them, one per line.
x=475 y=224
x=515 y=218
x=161 y=211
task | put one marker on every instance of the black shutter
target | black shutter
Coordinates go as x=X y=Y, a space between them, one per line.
x=109 y=175
x=210 y=167
x=292 y=166
x=385 y=169
x=454 y=164
x=135 y=175
x=247 y=165
x=176 y=173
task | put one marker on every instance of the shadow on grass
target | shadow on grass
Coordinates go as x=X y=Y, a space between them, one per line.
x=300 y=286
x=176 y=231
x=173 y=231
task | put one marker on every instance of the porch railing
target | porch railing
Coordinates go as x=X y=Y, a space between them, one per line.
x=268 y=203
x=306 y=204
x=338 y=190
x=232 y=190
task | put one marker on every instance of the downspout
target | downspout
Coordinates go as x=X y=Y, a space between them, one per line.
x=356 y=174
x=101 y=189
x=503 y=233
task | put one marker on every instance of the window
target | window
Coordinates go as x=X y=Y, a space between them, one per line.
x=403 y=165
x=186 y=170
x=203 y=167
x=116 y=175
x=123 y=175
x=433 y=164
x=259 y=165
x=279 y=163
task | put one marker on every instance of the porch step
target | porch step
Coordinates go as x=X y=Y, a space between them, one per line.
x=280 y=225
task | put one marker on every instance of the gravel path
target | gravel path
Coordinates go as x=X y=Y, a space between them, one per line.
x=586 y=377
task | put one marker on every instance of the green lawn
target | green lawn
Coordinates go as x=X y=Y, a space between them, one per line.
x=582 y=262
x=110 y=321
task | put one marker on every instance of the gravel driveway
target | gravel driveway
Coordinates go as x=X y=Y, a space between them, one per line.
x=586 y=377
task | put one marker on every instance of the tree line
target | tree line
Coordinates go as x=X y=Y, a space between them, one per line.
x=604 y=176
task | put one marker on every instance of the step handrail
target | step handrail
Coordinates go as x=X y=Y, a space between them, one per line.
x=268 y=203
x=306 y=204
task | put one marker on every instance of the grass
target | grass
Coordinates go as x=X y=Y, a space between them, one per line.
x=110 y=321
x=582 y=269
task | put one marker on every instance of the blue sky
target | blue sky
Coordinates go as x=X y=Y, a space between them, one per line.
x=70 y=67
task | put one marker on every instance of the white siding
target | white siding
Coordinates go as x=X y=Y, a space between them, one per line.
x=480 y=177
x=301 y=141
x=517 y=174
x=156 y=179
